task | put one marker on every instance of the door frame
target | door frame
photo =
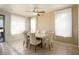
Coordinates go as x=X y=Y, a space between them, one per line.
x=3 y=26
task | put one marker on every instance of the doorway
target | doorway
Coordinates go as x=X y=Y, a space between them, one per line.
x=2 y=28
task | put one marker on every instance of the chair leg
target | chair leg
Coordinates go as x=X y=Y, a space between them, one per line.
x=23 y=43
x=30 y=46
x=49 y=47
x=27 y=44
x=41 y=45
x=52 y=45
x=45 y=44
x=35 y=48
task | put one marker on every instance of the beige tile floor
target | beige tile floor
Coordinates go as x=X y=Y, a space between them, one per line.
x=17 y=48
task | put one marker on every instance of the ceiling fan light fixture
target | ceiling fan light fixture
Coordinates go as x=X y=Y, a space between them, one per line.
x=35 y=13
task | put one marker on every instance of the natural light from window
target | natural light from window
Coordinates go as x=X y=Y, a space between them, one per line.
x=17 y=24
x=63 y=23
x=33 y=24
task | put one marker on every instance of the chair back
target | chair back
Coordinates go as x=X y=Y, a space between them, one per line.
x=49 y=38
x=32 y=38
x=25 y=36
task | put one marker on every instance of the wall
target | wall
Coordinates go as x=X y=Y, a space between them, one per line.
x=75 y=23
x=7 y=24
x=27 y=24
x=46 y=21
x=78 y=26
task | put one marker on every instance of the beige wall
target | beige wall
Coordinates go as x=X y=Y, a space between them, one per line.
x=78 y=26
x=46 y=21
x=75 y=23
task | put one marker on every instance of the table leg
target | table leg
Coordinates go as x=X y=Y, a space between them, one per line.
x=41 y=42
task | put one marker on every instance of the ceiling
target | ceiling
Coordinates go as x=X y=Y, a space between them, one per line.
x=21 y=8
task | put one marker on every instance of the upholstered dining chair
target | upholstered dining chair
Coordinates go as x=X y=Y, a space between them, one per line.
x=48 y=41
x=33 y=41
x=26 y=39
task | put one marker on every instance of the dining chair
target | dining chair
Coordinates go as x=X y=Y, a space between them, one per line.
x=26 y=39
x=48 y=41
x=33 y=41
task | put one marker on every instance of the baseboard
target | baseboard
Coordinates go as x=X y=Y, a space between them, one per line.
x=13 y=40
x=67 y=44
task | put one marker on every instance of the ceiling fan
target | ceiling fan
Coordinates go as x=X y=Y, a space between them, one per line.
x=36 y=11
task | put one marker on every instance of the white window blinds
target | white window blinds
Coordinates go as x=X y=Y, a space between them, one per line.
x=17 y=24
x=33 y=24
x=63 y=23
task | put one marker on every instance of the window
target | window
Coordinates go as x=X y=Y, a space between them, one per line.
x=63 y=23
x=33 y=24
x=17 y=24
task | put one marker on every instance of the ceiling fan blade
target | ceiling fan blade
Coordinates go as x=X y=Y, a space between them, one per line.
x=38 y=14
x=41 y=11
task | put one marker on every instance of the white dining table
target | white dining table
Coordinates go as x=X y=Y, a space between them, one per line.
x=41 y=35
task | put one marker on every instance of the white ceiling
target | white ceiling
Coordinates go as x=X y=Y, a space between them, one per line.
x=21 y=8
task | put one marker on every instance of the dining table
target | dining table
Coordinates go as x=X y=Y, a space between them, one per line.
x=40 y=36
